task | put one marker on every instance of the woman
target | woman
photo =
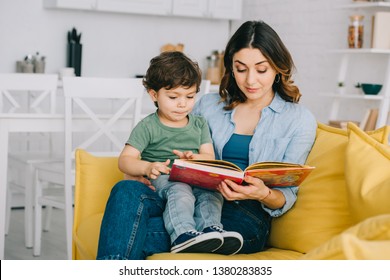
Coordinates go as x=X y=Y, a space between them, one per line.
x=255 y=117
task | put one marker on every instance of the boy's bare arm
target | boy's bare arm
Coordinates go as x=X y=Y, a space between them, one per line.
x=131 y=164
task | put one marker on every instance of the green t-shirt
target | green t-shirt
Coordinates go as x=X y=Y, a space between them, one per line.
x=155 y=141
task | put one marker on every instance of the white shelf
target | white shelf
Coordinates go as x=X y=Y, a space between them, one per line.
x=362 y=51
x=346 y=55
x=355 y=96
x=366 y=5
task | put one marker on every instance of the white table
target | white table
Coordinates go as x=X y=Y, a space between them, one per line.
x=20 y=123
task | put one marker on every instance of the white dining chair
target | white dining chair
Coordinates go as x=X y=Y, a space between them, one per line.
x=38 y=88
x=22 y=93
x=99 y=116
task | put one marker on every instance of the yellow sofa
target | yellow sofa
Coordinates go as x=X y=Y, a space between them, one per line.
x=342 y=210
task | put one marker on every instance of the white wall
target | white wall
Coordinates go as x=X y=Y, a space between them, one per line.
x=122 y=44
x=114 y=44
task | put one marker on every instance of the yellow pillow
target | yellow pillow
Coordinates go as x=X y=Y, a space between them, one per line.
x=369 y=239
x=367 y=175
x=381 y=134
x=95 y=176
x=321 y=210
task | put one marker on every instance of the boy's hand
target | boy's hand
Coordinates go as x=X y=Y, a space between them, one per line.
x=184 y=155
x=156 y=168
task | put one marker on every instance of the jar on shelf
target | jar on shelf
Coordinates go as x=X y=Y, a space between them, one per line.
x=215 y=67
x=355 y=31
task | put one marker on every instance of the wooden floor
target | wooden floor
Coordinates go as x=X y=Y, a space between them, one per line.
x=53 y=241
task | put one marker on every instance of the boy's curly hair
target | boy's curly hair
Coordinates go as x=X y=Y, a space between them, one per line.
x=170 y=70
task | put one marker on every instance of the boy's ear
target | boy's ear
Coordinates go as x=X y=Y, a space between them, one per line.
x=153 y=94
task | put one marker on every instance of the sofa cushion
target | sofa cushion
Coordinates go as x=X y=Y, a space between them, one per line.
x=86 y=238
x=321 y=210
x=367 y=175
x=370 y=239
x=95 y=176
x=270 y=254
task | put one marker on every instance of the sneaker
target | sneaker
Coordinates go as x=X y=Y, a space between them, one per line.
x=197 y=242
x=232 y=241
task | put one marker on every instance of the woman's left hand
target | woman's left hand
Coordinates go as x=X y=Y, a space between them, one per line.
x=255 y=189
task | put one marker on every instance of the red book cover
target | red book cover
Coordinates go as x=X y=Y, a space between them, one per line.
x=209 y=173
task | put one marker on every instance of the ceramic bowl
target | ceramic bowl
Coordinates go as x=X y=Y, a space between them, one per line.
x=371 y=89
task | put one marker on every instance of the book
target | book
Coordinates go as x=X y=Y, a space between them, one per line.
x=341 y=123
x=380 y=35
x=364 y=121
x=371 y=120
x=209 y=173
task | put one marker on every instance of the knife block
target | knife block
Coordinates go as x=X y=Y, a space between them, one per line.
x=74 y=52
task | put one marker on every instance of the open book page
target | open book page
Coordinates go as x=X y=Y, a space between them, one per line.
x=281 y=177
x=208 y=174
x=232 y=166
x=214 y=162
x=271 y=164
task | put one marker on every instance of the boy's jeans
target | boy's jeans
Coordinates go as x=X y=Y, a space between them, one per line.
x=133 y=227
x=188 y=208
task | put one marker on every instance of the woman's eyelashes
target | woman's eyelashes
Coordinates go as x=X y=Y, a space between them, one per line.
x=260 y=71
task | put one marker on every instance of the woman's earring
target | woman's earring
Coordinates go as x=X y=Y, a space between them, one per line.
x=277 y=79
x=233 y=74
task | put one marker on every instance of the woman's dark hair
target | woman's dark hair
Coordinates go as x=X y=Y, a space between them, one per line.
x=170 y=70
x=259 y=35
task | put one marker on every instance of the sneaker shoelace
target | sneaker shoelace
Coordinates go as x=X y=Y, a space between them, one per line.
x=217 y=228
x=194 y=232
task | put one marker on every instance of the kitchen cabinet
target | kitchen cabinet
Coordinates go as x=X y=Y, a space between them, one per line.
x=70 y=4
x=151 y=7
x=218 y=9
x=341 y=98
x=213 y=9
x=225 y=9
x=190 y=8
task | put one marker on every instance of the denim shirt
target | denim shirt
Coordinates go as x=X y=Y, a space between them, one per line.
x=285 y=132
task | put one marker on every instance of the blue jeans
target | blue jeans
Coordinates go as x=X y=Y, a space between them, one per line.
x=133 y=226
x=187 y=208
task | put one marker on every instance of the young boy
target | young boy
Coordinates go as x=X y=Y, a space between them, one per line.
x=192 y=215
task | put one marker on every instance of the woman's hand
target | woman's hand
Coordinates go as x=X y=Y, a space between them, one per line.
x=255 y=190
x=141 y=179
